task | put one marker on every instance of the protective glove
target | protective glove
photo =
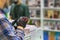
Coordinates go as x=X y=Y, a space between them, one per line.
x=22 y=21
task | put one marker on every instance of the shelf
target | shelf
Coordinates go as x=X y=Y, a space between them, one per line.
x=34 y=8
x=54 y=8
x=39 y=29
x=35 y=18
x=51 y=30
x=51 y=19
x=47 y=24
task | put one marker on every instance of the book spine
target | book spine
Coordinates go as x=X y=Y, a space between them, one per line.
x=51 y=3
x=51 y=36
x=57 y=36
x=46 y=3
x=50 y=13
x=45 y=35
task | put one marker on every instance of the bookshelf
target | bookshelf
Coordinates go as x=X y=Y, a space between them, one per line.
x=35 y=18
x=49 y=17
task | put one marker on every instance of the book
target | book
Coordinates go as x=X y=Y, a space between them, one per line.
x=32 y=13
x=57 y=3
x=45 y=35
x=51 y=3
x=56 y=14
x=46 y=25
x=57 y=36
x=51 y=35
x=46 y=3
x=59 y=14
x=38 y=23
x=57 y=24
x=51 y=25
x=38 y=3
x=33 y=3
x=37 y=13
x=50 y=13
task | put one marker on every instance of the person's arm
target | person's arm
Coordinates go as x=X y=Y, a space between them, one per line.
x=8 y=29
x=22 y=21
x=20 y=32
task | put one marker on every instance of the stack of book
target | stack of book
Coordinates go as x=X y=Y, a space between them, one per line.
x=52 y=14
x=34 y=3
x=35 y=13
x=53 y=25
x=57 y=3
x=49 y=3
x=52 y=3
x=51 y=35
x=38 y=23
x=32 y=13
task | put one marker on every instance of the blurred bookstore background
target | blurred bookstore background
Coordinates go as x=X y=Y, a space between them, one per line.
x=44 y=20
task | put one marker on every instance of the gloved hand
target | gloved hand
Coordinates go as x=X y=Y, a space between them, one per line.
x=22 y=21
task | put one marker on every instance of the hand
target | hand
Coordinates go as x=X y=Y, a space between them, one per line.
x=22 y=21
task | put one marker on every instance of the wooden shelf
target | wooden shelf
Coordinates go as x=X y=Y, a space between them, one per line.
x=35 y=18
x=54 y=8
x=34 y=8
x=51 y=30
x=51 y=19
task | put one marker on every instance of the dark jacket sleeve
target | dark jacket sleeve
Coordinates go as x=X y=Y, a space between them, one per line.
x=27 y=11
x=12 y=11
